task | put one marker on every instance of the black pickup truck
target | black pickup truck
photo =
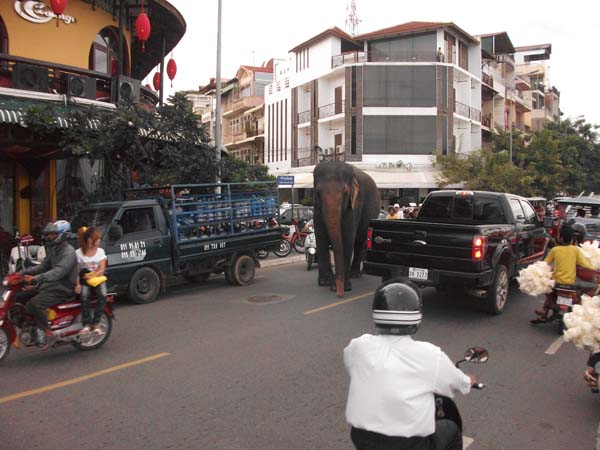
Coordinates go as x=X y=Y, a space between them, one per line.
x=466 y=239
x=184 y=230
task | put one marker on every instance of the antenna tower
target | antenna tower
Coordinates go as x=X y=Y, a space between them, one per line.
x=352 y=19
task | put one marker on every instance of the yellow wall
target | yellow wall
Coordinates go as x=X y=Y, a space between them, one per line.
x=65 y=44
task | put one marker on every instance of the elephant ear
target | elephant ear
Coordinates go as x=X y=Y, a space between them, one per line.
x=354 y=191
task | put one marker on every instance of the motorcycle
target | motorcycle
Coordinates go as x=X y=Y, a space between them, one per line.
x=25 y=254
x=562 y=298
x=310 y=247
x=17 y=326
x=445 y=407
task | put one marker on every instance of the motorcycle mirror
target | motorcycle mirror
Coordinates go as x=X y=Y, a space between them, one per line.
x=476 y=355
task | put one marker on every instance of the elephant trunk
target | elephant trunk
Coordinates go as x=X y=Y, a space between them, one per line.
x=333 y=222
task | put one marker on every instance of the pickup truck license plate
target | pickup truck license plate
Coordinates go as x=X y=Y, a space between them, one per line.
x=567 y=301
x=418 y=274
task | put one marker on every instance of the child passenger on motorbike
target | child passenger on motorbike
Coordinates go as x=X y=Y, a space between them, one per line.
x=565 y=258
x=92 y=264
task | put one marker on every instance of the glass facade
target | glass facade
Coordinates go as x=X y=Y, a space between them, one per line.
x=399 y=86
x=399 y=135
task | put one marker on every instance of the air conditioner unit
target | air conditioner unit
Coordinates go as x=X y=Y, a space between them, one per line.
x=128 y=90
x=80 y=86
x=30 y=78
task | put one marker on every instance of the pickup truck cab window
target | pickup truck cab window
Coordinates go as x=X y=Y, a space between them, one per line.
x=477 y=209
x=515 y=205
x=138 y=220
x=530 y=215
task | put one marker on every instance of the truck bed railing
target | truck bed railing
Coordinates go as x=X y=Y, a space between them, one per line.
x=200 y=211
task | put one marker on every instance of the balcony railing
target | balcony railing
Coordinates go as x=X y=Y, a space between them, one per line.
x=304 y=116
x=462 y=109
x=467 y=111
x=331 y=109
x=307 y=156
x=377 y=56
x=54 y=78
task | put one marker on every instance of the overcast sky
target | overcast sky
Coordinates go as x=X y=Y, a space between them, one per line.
x=255 y=31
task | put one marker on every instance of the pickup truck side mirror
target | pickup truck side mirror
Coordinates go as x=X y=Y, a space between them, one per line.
x=115 y=232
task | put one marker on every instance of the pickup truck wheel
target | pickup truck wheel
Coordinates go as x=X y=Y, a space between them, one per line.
x=144 y=286
x=498 y=291
x=242 y=270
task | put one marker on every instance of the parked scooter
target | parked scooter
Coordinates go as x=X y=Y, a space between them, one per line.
x=25 y=254
x=17 y=326
x=310 y=247
x=445 y=407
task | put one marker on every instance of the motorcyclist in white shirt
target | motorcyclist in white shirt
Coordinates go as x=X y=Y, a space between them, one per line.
x=393 y=379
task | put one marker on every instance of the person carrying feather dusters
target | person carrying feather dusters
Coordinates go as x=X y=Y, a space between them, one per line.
x=565 y=258
x=92 y=261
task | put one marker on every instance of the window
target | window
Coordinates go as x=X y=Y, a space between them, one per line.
x=400 y=86
x=530 y=215
x=3 y=38
x=399 y=135
x=138 y=220
x=104 y=53
x=436 y=208
x=515 y=205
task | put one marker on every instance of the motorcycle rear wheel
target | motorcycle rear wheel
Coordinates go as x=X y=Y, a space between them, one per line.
x=4 y=344
x=310 y=259
x=95 y=341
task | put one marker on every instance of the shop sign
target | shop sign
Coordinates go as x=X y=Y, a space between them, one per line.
x=39 y=12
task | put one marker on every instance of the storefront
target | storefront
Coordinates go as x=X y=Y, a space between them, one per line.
x=67 y=61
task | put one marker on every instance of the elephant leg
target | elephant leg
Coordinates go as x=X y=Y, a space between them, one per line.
x=348 y=244
x=360 y=250
x=325 y=273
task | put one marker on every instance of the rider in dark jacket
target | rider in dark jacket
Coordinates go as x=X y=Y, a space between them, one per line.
x=55 y=278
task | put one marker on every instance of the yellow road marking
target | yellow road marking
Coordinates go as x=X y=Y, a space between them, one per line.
x=51 y=387
x=333 y=305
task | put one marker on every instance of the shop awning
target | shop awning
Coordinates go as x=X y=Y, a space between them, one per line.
x=385 y=179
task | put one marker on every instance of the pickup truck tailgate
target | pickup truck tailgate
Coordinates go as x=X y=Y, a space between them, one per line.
x=423 y=244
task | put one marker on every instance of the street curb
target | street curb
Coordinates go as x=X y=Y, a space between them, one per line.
x=282 y=261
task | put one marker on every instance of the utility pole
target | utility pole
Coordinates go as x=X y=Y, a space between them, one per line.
x=510 y=145
x=218 y=138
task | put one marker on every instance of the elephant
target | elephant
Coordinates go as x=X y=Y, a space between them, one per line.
x=345 y=201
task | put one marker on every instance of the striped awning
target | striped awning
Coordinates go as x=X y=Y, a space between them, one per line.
x=13 y=109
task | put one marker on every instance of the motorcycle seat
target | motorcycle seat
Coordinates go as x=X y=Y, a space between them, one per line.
x=566 y=287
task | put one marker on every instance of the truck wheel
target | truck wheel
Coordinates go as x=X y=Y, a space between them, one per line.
x=144 y=286
x=242 y=271
x=498 y=291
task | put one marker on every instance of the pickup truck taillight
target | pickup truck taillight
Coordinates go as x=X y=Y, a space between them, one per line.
x=479 y=247
x=369 y=238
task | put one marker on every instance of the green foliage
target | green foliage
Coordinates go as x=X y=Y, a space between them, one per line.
x=235 y=170
x=307 y=201
x=563 y=157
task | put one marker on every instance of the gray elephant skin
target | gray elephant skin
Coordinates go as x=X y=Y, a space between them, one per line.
x=345 y=201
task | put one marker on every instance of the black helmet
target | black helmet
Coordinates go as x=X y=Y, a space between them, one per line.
x=397 y=308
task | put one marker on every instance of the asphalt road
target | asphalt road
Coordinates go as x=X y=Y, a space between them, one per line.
x=205 y=368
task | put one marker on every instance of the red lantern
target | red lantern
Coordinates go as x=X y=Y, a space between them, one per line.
x=171 y=70
x=142 y=27
x=156 y=81
x=58 y=7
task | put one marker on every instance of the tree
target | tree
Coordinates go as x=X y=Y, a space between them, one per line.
x=563 y=157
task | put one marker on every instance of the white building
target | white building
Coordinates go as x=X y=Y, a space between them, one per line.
x=387 y=101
